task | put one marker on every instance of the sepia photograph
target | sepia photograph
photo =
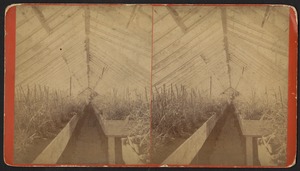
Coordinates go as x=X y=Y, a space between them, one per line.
x=150 y=85
x=82 y=84
x=220 y=81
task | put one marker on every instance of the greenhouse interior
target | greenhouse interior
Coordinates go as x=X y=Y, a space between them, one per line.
x=151 y=84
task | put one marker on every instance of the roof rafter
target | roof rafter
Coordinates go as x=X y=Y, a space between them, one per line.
x=132 y=15
x=177 y=19
x=266 y=16
x=69 y=69
x=41 y=19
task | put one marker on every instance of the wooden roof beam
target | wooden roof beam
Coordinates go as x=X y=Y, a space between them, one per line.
x=41 y=19
x=224 y=26
x=266 y=16
x=69 y=69
x=87 y=41
x=132 y=15
x=177 y=19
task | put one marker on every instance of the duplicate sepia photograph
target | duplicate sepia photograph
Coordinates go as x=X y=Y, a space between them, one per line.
x=150 y=85
x=220 y=78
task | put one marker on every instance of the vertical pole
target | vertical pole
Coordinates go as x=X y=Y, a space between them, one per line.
x=70 y=86
x=210 y=88
x=267 y=96
x=111 y=150
x=280 y=96
x=249 y=150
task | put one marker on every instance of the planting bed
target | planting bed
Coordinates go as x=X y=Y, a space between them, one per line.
x=176 y=116
x=40 y=114
x=130 y=109
x=273 y=113
x=226 y=143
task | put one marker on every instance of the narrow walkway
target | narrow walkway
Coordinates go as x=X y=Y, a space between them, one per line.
x=88 y=144
x=225 y=145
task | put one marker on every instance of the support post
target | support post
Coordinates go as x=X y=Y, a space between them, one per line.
x=249 y=150
x=111 y=150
